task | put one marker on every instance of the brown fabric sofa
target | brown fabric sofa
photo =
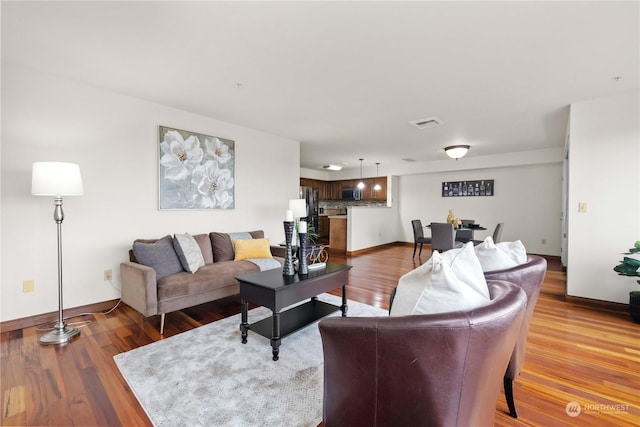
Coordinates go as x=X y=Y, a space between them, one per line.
x=164 y=289
x=440 y=369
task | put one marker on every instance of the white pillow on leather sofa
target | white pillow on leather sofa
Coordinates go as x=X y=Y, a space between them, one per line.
x=447 y=282
x=499 y=256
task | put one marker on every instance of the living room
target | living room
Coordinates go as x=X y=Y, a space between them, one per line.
x=112 y=133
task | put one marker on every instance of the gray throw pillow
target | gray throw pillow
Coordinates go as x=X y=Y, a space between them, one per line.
x=188 y=252
x=159 y=255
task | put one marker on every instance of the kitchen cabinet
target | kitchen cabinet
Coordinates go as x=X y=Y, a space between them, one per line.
x=338 y=233
x=332 y=190
x=380 y=195
x=336 y=190
x=307 y=182
x=323 y=229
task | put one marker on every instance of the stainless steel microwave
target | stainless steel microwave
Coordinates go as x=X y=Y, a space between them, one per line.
x=351 y=194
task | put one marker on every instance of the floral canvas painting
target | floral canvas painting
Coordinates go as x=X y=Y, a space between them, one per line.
x=196 y=171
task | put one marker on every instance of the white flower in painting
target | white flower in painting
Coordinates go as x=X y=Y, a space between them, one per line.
x=214 y=185
x=217 y=150
x=179 y=156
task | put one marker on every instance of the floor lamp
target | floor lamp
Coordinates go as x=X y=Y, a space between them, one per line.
x=57 y=179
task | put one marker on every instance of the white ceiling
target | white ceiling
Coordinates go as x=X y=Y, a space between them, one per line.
x=346 y=78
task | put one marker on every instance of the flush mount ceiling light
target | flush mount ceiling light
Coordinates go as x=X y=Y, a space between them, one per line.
x=361 y=184
x=332 y=167
x=456 y=151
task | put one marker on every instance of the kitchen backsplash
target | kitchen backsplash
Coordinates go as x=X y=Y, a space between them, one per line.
x=340 y=206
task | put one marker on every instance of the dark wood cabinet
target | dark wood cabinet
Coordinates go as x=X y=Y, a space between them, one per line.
x=307 y=182
x=323 y=228
x=380 y=195
x=332 y=190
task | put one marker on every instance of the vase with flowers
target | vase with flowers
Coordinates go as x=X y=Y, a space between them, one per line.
x=451 y=219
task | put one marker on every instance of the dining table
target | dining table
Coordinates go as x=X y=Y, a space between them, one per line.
x=465 y=233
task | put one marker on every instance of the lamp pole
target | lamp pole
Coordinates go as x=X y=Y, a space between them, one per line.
x=60 y=333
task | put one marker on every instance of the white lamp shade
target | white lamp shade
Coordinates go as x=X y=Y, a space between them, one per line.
x=456 y=151
x=56 y=179
x=299 y=207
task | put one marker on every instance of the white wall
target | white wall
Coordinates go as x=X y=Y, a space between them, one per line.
x=371 y=226
x=114 y=139
x=604 y=173
x=527 y=200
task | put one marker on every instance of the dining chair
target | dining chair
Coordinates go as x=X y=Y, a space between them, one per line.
x=497 y=234
x=418 y=236
x=443 y=237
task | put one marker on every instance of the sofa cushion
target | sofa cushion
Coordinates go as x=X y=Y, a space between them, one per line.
x=188 y=252
x=500 y=256
x=205 y=247
x=222 y=245
x=451 y=281
x=210 y=277
x=251 y=248
x=159 y=255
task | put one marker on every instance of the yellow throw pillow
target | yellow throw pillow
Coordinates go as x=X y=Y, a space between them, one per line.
x=251 y=248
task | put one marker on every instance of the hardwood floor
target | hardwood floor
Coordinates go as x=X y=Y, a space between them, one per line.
x=575 y=353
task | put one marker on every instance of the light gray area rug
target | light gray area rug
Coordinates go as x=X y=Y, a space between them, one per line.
x=207 y=377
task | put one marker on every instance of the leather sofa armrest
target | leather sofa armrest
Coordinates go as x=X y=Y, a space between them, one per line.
x=139 y=287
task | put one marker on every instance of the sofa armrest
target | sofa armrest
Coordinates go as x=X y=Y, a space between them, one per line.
x=139 y=287
x=279 y=251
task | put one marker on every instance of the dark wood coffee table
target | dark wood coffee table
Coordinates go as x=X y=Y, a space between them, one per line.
x=275 y=291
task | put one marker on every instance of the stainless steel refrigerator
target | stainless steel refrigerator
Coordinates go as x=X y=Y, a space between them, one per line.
x=310 y=194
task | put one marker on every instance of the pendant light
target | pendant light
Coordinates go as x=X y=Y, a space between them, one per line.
x=377 y=187
x=361 y=183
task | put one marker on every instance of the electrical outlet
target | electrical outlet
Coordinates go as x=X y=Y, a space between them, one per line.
x=582 y=207
x=108 y=275
x=28 y=286
x=544 y=241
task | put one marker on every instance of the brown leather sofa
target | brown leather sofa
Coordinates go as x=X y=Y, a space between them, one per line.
x=429 y=370
x=529 y=277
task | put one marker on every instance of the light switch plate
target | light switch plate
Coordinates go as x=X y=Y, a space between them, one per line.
x=28 y=286
x=582 y=207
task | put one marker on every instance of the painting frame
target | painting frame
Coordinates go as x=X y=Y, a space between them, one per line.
x=195 y=171
x=477 y=188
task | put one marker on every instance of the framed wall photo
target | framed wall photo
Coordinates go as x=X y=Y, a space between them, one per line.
x=484 y=187
x=196 y=170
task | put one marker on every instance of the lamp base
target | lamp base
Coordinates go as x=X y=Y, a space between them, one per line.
x=59 y=335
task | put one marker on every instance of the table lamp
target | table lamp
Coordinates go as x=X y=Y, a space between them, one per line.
x=299 y=208
x=57 y=179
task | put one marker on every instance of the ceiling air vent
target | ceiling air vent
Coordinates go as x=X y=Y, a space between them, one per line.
x=426 y=123
x=332 y=167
